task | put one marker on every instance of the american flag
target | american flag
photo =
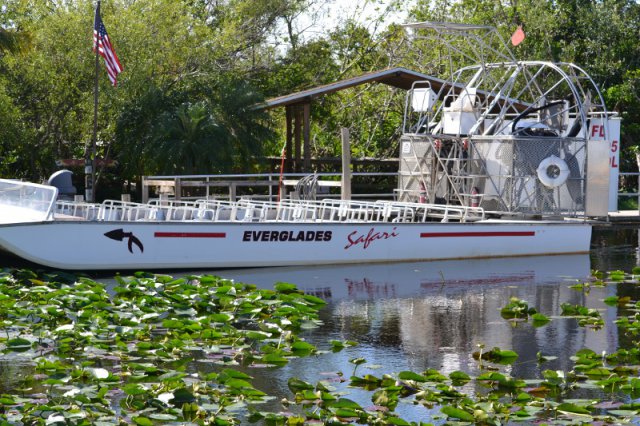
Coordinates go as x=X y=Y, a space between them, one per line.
x=105 y=48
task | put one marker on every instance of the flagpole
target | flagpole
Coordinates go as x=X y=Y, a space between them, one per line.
x=90 y=158
x=103 y=48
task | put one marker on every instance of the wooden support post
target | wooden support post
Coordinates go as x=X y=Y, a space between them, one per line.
x=306 y=135
x=638 y=163
x=232 y=191
x=346 y=164
x=145 y=190
x=289 y=142
x=177 y=189
x=297 y=125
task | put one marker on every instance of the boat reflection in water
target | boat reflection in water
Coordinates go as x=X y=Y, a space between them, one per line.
x=416 y=316
x=407 y=279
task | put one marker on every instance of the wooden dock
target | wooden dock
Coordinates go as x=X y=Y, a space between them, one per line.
x=624 y=217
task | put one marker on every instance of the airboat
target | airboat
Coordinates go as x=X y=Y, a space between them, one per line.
x=503 y=158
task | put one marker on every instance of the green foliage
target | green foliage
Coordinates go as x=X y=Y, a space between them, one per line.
x=171 y=72
x=193 y=71
x=195 y=139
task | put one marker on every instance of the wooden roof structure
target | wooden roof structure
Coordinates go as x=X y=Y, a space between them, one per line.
x=397 y=77
x=298 y=108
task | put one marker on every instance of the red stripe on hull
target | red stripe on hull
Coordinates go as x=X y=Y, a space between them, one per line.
x=478 y=234
x=190 y=235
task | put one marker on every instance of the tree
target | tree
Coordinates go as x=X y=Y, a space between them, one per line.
x=47 y=87
x=11 y=40
x=189 y=141
x=208 y=137
x=192 y=67
x=170 y=55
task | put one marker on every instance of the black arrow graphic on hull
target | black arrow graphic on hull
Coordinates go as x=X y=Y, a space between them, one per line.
x=119 y=235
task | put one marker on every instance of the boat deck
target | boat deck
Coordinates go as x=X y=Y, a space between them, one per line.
x=247 y=210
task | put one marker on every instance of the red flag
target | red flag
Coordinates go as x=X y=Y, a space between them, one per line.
x=517 y=36
x=105 y=49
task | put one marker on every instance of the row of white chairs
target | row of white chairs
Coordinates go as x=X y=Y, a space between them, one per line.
x=246 y=210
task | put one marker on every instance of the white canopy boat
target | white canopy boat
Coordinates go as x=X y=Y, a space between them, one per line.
x=505 y=159
x=216 y=234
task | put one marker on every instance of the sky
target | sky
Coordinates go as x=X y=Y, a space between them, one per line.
x=364 y=11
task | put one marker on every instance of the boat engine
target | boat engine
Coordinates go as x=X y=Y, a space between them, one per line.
x=62 y=180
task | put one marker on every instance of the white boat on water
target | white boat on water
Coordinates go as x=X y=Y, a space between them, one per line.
x=506 y=158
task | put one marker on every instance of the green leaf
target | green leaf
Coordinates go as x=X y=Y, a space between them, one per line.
x=296 y=385
x=366 y=380
x=396 y=421
x=598 y=372
x=162 y=416
x=572 y=408
x=457 y=413
x=492 y=376
x=182 y=396
x=6 y=400
x=142 y=421
x=173 y=324
x=220 y=317
x=540 y=319
x=237 y=383
x=228 y=372
x=346 y=403
x=18 y=343
x=257 y=335
x=346 y=413
x=507 y=355
x=357 y=361
x=410 y=375
x=611 y=300
x=275 y=359
x=286 y=288
x=134 y=389
x=302 y=346
x=459 y=375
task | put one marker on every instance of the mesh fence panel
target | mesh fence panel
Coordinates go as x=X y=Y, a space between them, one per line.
x=526 y=175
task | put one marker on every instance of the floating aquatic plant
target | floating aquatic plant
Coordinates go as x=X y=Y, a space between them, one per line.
x=122 y=356
x=587 y=317
x=517 y=309
x=126 y=355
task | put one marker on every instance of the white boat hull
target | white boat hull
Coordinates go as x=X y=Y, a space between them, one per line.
x=83 y=245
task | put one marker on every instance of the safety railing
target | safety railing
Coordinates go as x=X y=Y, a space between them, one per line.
x=249 y=210
x=631 y=194
x=265 y=186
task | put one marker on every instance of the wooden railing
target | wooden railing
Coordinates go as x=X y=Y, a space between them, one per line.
x=267 y=186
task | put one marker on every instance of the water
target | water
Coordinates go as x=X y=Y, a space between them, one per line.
x=434 y=315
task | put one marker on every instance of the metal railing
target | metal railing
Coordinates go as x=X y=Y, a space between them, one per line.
x=268 y=186
x=245 y=210
x=231 y=186
x=631 y=194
